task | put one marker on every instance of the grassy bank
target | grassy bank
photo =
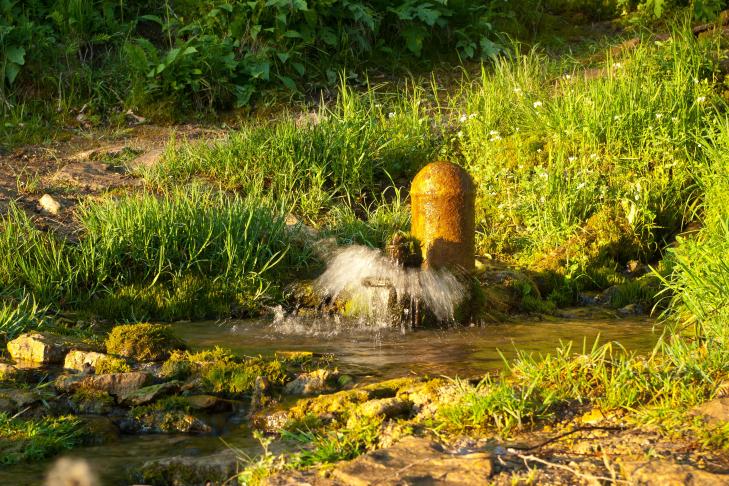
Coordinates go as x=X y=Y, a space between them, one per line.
x=583 y=167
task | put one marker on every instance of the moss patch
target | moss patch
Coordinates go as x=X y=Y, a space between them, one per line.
x=142 y=342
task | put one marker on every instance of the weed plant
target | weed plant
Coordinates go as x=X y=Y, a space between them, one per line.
x=35 y=439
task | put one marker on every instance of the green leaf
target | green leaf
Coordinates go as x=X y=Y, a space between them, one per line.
x=489 y=49
x=189 y=50
x=288 y=82
x=151 y=18
x=243 y=95
x=328 y=36
x=15 y=55
x=414 y=36
x=11 y=72
x=427 y=15
x=255 y=30
x=299 y=68
x=259 y=70
x=292 y=34
x=283 y=56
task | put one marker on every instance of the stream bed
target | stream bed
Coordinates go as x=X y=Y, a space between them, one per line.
x=367 y=353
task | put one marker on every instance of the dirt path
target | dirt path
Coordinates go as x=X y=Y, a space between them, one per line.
x=85 y=165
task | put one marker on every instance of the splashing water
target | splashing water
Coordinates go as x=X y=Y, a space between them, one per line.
x=367 y=277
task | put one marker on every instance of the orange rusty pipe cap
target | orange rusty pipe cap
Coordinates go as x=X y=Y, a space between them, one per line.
x=443 y=199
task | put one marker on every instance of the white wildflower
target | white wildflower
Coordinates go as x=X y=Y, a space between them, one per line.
x=391 y=114
x=538 y=104
x=463 y=118
x=659 y=116
x=572 y=158
x=701 y=99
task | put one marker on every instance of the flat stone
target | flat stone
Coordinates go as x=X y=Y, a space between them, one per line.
x=665 y=473
x=207 y=402
x=38 y=347
x=715 y=412
x=81 y=360
x=117 y=384
x=49 y=205
x=387 y=407
x=312 y=383
x=13 y=400
x=183 y=470
x=164 y=421
x=89 y=176
x=150 y=393
x=415 y=460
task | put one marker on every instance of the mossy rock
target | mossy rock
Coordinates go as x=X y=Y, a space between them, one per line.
x=142 y=342
x=87 y=401
x=607 y=236
x=111 y=364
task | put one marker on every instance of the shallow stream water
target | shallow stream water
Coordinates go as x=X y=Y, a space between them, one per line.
x=368 y=353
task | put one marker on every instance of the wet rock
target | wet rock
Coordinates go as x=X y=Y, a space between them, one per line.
x=49 y=205
x=631 y=310
x=38 y=347
x=270 y=422
x=259 y=397
x=714 y=412
x=386 y=407
x=91 y=402
x=415 y=460
x=665 y=473
x=101 y=430
x=422 y=394
x=207 y=402
x=14 y=400
x=194 y=471
x=161 y=421
x=312 y=383
x=82 y=360
x=149 y=394
x=117 y=384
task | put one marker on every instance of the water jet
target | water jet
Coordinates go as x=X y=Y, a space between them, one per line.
x=422 y=276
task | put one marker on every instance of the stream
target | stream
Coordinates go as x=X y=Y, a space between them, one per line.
x=367 y=353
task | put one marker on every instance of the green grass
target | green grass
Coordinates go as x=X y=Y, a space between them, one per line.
x=187 y=252
x=19 y=316
x=348 y=152
x=32 y=440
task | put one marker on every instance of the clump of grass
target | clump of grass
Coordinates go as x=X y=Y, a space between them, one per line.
x=342 y=156
x=493 y=404
x=35 y=439
x=699 y=279
x=19 y=316
x=136 y=260
x=550 y=145
x=142 y=342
